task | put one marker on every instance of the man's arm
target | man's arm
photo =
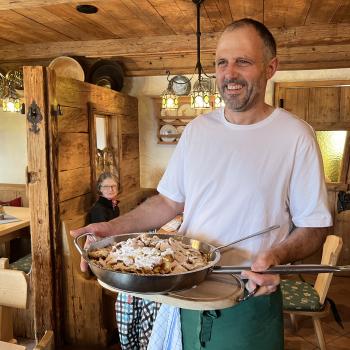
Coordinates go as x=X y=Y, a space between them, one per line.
x=151 y=214
x=301 y=243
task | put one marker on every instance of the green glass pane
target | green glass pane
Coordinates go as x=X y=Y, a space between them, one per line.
x=332 y=144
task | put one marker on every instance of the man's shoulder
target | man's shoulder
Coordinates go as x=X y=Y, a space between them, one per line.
x=291 y=120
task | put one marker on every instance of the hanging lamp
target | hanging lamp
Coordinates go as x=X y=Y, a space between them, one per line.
x=202 y=88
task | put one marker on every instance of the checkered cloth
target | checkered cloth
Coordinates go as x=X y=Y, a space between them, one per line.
x=135 y=318
x=166 y=333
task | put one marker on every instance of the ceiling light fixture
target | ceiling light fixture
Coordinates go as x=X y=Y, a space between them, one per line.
x=202 y=88
x=10 y=86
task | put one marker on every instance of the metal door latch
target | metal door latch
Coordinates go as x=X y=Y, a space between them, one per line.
x=34 y=117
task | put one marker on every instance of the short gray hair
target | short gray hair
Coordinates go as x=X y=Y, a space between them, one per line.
x=266 y=36
x=104 y=176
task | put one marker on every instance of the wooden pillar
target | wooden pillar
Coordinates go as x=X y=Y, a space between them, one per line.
x=38 y=193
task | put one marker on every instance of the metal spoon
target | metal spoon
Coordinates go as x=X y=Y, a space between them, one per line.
x=268 y=229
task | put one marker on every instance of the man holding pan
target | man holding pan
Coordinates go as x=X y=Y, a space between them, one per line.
x=236 y=171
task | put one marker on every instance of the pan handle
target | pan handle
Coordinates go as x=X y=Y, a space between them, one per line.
x=78 y=238
x=284 y=269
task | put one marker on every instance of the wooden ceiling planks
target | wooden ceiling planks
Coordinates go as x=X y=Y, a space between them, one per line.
x=25 y=25
x=173 y=16
x=163 y=32
x=85 y=22
x=53 y=22
x=322 y=11
x=342 y=14
x=285 y=13
x=252 y=9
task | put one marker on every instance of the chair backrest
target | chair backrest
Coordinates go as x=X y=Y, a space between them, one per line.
x=46 y=342
x=330 y=255
x=13 y=287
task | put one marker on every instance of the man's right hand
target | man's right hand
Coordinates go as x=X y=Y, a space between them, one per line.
x=101 y=229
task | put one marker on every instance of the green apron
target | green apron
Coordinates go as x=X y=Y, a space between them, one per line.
x=256 y=323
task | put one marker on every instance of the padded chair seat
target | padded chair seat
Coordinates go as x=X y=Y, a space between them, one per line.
x=298 y=295
x=22 y=264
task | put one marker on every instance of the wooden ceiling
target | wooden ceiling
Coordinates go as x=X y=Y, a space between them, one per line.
x=150 y=36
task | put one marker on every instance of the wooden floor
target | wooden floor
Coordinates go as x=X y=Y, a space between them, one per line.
x=305 y=339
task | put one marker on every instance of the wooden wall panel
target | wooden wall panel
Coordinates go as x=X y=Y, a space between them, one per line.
x=75 y=93
x=129 y=124
x=345 y=104
x=130 y=146
x=75 y=206
x=296 y=101
x=74 y=151
x=73 y=120
x=324 y=104
x=74 y=183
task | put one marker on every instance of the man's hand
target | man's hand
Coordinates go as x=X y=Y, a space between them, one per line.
x=101 y=229
x=267 y=283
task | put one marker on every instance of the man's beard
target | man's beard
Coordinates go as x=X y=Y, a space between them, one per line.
x=237 y=103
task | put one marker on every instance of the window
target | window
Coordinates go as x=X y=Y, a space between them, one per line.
x=332 y=145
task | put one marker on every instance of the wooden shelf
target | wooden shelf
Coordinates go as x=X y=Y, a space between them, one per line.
x=175 y=120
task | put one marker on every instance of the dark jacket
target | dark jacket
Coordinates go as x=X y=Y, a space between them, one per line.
x=103 y=210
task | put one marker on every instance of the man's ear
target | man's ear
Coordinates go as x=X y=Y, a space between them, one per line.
x=271 y=68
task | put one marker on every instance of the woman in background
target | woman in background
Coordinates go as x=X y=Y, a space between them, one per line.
x=106 y=207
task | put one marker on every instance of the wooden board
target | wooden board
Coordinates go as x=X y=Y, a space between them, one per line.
x=216 y=292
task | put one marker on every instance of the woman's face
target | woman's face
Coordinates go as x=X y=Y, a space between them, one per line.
x=109 y=189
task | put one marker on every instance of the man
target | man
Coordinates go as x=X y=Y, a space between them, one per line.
x=235 y=171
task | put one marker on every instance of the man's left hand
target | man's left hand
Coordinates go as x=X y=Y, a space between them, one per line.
x=267 y=283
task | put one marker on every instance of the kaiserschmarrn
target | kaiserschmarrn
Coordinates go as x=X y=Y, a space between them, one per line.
x=147 y=254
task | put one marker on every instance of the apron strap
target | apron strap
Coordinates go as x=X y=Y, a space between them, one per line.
x=207 y=319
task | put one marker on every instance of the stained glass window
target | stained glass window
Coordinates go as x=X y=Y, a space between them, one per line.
x=332 y=145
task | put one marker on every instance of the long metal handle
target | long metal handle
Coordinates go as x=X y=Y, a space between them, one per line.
x=78 y=238
x=268 y=229
x=285 y=269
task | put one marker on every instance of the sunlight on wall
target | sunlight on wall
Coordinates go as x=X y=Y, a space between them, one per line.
x=13 y=147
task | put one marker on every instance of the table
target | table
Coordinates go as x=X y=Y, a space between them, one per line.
x=13 y=229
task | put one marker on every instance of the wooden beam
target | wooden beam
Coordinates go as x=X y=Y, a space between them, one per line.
x=304 y=47
x=17 y=4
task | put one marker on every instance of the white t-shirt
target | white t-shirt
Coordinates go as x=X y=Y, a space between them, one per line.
x=239 y=179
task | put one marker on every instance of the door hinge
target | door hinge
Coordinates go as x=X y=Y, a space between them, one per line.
x=31 y=176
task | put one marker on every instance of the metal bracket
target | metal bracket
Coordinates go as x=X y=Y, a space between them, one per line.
x=34 y=117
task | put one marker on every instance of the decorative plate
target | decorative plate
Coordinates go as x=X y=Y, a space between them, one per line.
x=180 y=85
x=168 y=129
x=185 y=110
x=68 y=67
x=180 y=129
x=168 y=113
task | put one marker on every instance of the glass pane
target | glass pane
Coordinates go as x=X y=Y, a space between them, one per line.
x=101 y=137
x=332 y=144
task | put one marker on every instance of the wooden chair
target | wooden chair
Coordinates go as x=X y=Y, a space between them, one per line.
x=14 y=294
x=301 y=298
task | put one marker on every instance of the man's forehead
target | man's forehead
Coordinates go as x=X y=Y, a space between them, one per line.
x=241 y=39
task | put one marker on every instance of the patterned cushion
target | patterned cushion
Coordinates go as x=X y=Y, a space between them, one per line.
x=23 y=264
x=299 y=295
x=16 y=202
